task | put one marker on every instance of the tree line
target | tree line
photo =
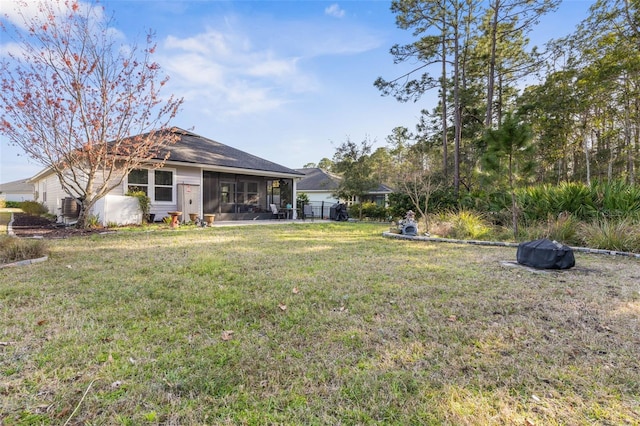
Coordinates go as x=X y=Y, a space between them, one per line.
x=493 y=132
x=582 y=115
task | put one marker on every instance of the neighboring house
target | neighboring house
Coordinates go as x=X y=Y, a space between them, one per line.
x=201 y=176
x=320 y=185
x=18 y=190
x=380 y=195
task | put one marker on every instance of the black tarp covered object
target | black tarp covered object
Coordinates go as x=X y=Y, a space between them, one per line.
x=338 y=212
x=545 y=254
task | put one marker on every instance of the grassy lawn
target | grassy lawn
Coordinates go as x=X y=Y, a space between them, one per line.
x=315 y=324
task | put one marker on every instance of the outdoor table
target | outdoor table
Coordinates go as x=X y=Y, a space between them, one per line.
x=290 y=211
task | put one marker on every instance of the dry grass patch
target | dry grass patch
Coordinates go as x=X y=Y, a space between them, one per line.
x=14 y=249
x=314 y=324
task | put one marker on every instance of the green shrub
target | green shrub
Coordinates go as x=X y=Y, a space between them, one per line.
x=3 y=203
x=462 y=225
x=471 y=225
x=399 y=204
x=371 y=211
x=15 y=249
x=34 y=208
x=93 y=221
x=575 y=198
x=617 y=200
x=442 y=199
x=601 y=200
x=537 y=202
x=610 y=234
x=144 y=201
x=534 y=203
x=301 y=200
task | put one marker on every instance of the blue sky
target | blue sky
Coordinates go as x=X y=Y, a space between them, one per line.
x=287 y=81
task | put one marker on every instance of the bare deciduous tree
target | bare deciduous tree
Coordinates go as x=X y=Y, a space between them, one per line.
x=79 y=100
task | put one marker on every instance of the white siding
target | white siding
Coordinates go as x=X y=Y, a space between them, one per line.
x=181 y=175
x=50 y=193
x=317 y=198
x=50 y=187
x=189 y=175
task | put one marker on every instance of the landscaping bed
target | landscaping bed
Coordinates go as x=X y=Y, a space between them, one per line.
x=26 y=225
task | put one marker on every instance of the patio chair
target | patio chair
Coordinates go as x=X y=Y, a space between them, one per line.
x=278 y=214
x=307 y=211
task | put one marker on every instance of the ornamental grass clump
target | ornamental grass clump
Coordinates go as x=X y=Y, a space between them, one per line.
x=470 y=225
x=15 y=249
x=619 y=235
x=463 y=224
x=564 y=228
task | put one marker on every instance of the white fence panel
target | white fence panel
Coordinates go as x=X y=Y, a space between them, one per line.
x=118 y=209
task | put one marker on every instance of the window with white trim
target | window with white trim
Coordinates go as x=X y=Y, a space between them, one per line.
x=138 y=180
x=157 y=184
x=163 y=185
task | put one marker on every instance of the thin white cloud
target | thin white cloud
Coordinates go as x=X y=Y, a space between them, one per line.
x=10 y=48
x=334 y=10
x=227 y=72
x=208 y=43
x=274 y=68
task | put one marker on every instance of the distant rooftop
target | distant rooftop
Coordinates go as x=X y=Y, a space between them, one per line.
x=316 y=179
x=17 y=186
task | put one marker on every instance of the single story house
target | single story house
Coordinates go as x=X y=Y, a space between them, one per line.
x=319 y=186
x=18 y=190
x=201 y=177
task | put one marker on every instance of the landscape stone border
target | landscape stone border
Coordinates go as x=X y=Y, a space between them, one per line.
x=24 y=262
x=502 y=244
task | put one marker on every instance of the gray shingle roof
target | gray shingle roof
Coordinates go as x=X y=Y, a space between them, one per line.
x=316 y=179
x=16 y=186
x=195 y=149
x=383 y=189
